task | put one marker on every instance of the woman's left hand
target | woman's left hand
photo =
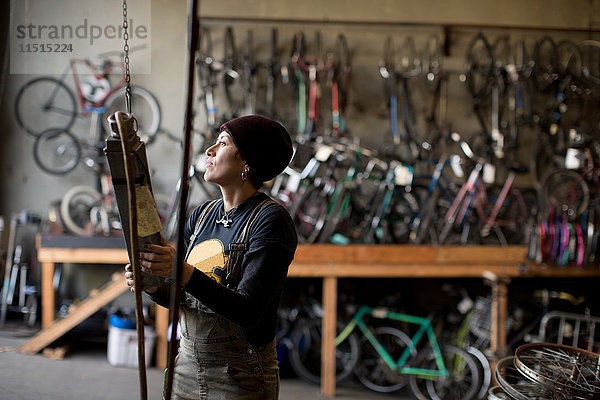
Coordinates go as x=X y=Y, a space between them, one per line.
x=158 y=259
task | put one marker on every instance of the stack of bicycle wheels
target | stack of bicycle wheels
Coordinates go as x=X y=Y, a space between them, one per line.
x=541 y=371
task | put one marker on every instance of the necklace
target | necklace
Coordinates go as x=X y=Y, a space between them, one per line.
x=226 y=218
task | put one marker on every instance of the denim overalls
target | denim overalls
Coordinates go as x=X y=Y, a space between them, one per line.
x=215 y=361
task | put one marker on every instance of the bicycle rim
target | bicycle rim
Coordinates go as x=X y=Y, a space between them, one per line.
x=30 y=310
x=56 y=151
x=305 y=357
x=568 y=370
x=310 y=214
x=372 y=371
x=44 y=102
x=463 y=382
x=509 y=225
x=565 y=191
x=402 y=211
x=75 y=209
x=336 y=217
x=144 y=108
x=496 y=393
x=516 y=385
x=485 y=371
x=479 y=66
x=546 y=64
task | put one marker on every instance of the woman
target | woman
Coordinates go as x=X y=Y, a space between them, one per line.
x=239 y=249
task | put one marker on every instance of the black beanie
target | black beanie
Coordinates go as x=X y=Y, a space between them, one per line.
x=265 y=145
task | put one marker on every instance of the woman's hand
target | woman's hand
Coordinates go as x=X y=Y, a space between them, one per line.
x=158 y=259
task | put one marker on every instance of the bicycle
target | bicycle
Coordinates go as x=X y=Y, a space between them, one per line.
x=397 y=91
x=546 y=370
x=48 y=101
x=433 y=370
x=503 y=214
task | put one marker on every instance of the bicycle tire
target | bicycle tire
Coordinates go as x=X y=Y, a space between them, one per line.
x=569 y=60
x=544 y=158
x=516 y=385
x=402 y=211
x=43 y=102
x=310 y=214
x=75 y=209
x=305 y=356
x=566 y=191
x=511 y=221
x=30 y=311
x=485 y=371
x=590 y=54
x=461 y=384
x=496 y=393
x=568 y=370
x=56 y=151
x=144 y=107
x=545 y=70
x=372 y=371
x=480 y=64
x=432 y=63
x=336 y=217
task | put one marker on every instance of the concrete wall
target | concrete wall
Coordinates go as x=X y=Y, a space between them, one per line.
x=366 y=24
x=24 y=186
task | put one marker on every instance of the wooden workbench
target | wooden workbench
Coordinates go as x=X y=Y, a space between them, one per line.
x=330 y=262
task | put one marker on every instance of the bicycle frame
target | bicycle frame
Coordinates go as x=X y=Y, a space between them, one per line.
x=425 y=330
x=85 y=104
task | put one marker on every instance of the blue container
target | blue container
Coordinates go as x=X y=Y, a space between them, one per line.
x=121 y=321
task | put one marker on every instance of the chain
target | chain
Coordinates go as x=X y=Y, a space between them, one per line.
x=126 y=60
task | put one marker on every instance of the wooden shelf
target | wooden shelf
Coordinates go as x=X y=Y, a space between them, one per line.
x=331 y=262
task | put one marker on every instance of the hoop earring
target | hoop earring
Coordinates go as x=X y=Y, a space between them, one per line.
x=244 y=175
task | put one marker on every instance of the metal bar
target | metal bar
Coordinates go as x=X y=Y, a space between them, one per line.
x=134 y=248
x=193 y=31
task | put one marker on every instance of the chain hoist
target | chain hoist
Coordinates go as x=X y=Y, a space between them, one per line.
x=128 y=105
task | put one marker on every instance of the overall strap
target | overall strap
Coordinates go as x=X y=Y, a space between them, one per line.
x=238 y=249
x=198 y=226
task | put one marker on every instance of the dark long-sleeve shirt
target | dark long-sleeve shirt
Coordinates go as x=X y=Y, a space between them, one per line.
x=272 y=243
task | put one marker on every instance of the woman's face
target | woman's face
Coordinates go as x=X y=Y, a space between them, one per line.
x=224 y=164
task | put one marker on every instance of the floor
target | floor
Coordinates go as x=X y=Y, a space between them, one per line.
x=85 y=373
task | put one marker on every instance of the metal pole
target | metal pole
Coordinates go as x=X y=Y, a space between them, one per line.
x=193 y=31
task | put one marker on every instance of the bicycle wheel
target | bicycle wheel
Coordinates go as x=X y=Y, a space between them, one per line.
x=337 y=217
x=496 y=393
x=310 y=214
x=590 y=58
x=402 y=211
x=30 y=310
x=545 y=72
x=44 y=102
x=480 y=64
x=485 y=371
x=75 y=209
x=568 y=370
x=510 y=223
x=56 y=151
x=372 y=371
x=461 y=384
x=305 y=357
x=144 y=108
x=566 y=191
x=516 y=385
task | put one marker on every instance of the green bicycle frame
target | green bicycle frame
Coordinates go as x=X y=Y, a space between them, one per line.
x=425 y=329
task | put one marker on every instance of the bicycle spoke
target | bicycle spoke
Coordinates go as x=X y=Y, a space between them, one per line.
x=569 y=370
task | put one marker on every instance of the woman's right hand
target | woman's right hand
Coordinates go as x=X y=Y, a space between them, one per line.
x=130 y=281
x=129 y=278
